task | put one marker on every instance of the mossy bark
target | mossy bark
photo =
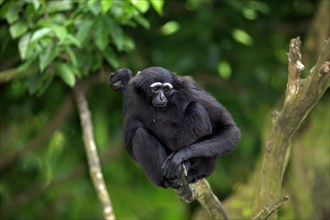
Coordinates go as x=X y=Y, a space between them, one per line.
x=300 y=98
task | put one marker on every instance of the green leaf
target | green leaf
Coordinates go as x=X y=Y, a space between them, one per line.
x=60 y=31
x=83 y=31
x=73 y=40
x=106 y=5
x=116 y=33
x=18 y=29
x=170 y=28
x=56 y=6
x=90 y=3
x=38 y=83
x=50 y=52
x=141 y=5
x=85 y=61
x=36 y=4
x=111 y=57
x=128 y=43
x=23 y=45
x=56 y=145
x=95 y=7
x=33 y=83
x=11 y=11
x=142 y=21
x=64 y=37
x=249 y=13
x=157 y=5
x=40 y=33
x=72 y=56
x=242 y=37
x=45 y=81
x=66 y=73
x=101 y=35
x=224 y=69
x=52 y=156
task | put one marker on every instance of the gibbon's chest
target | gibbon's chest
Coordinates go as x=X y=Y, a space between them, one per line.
x=163 y=122
x=165 y=127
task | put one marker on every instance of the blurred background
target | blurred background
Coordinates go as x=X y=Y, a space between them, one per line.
x=235 y=49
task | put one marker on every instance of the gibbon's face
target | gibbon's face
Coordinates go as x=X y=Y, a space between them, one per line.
x=160 y=93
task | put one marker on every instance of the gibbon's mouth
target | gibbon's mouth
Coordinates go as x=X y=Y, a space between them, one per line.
x=159 y=104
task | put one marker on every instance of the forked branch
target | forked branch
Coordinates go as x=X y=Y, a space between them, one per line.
x=300 y=97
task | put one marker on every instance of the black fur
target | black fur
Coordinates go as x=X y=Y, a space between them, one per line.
x=192 y=129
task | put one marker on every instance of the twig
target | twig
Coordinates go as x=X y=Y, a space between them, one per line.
x=91 y=151
x=266 y=212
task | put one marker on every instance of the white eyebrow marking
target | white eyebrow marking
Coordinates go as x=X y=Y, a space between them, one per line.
x=156 y=84
x=168 y=84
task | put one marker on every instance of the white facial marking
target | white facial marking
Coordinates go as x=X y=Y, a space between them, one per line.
x=168 y=84
x=161 y=84
x=156 y=84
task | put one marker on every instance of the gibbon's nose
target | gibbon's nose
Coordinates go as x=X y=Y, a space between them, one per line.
x=162 y=97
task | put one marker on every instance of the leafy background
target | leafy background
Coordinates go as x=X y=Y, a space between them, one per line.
x=234 y=49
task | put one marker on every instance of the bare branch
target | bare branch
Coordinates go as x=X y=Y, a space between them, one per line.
x=209 y=201
x=266 y=212
x=301 y=96
x=91 y=151
x=202 y=192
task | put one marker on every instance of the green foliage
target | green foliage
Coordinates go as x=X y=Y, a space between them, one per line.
x=72 y=39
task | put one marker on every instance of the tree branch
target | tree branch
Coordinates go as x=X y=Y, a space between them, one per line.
x=91 y=151
x=300 y=98
x=16 y=73
x=202 y=192
x=209 y=201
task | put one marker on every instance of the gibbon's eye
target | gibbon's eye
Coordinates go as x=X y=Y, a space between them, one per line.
x=167 y=89
x=154 y=89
